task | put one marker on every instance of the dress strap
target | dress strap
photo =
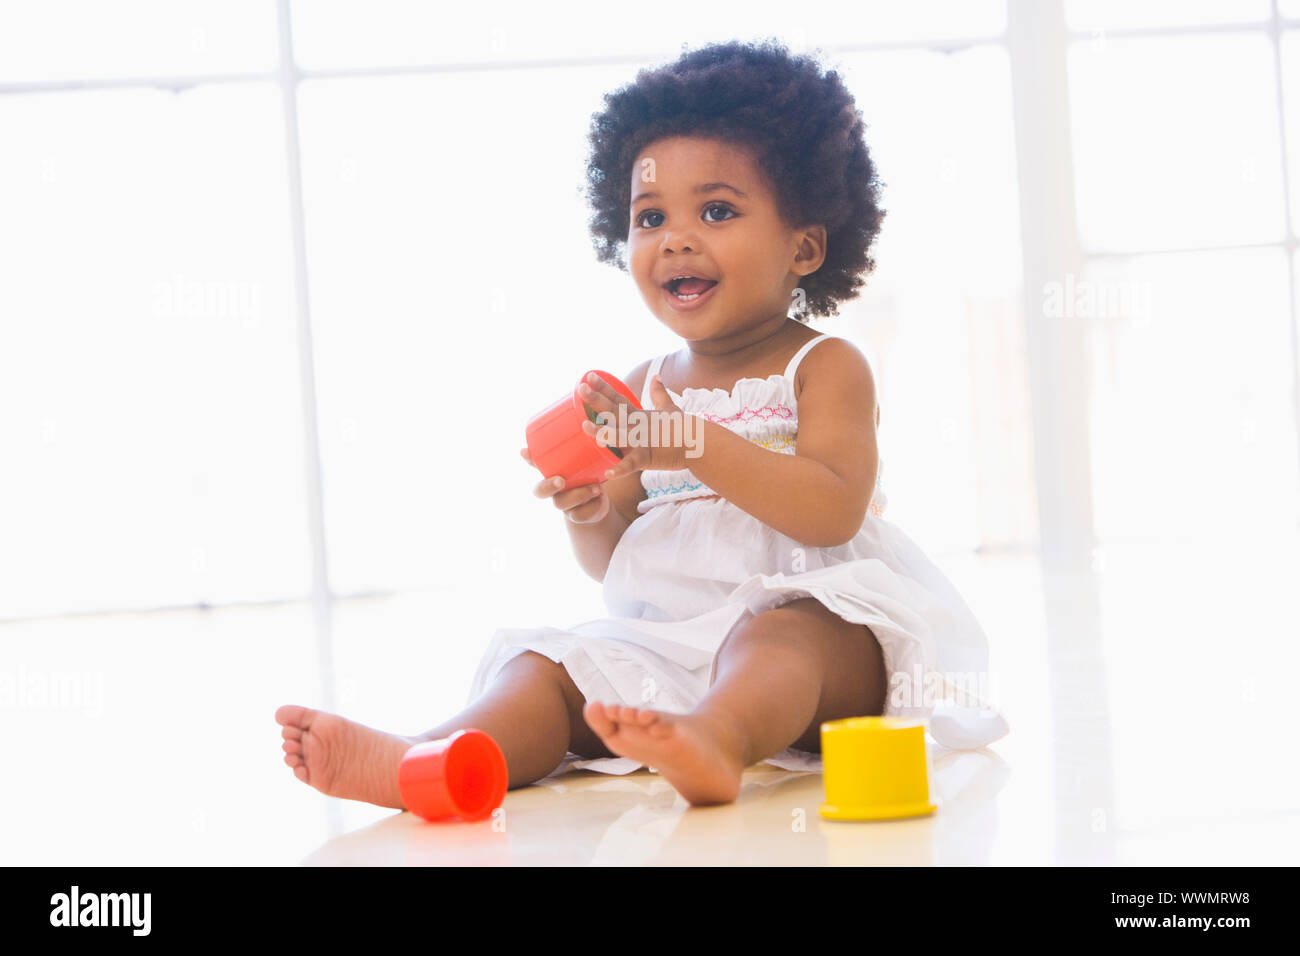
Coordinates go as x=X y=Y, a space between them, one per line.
x=798 y=356
x=651 y=372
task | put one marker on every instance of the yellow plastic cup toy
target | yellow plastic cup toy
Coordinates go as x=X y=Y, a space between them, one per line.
x=876 y=768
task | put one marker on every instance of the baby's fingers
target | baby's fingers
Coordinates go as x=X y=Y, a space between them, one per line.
x=593 y=509
x=594 y=383
x=548 y=487
x=633 y=461
x=599 y=395
x=575 y=497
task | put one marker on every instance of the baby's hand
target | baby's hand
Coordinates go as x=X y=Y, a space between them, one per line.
x=585 y=504
x=665 y=431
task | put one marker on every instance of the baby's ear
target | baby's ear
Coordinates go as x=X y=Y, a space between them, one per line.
x=810 y=252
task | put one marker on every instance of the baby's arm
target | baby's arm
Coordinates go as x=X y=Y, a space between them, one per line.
x=595 y=538
x=819 y=495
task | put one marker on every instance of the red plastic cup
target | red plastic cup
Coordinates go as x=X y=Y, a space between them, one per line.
x=463 y=775
x=558 y=445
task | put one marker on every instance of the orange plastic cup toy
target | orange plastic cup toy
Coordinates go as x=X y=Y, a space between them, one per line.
x=463 y=775
x=558 y=445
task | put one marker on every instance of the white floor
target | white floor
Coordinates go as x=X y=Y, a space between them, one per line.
x=1150 y=704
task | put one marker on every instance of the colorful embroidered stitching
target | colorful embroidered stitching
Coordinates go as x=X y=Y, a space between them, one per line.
x=674 y=489
x=766 y=413
x=775 y=444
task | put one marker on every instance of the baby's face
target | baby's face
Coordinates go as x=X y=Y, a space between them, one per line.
x=702 y=206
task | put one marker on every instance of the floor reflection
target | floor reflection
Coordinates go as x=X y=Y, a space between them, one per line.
x=1084 y=794
x=586 y=818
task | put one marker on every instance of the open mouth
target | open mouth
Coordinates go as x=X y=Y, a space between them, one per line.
x=688 y=288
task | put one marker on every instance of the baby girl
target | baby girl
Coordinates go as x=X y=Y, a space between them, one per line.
x=755 y=589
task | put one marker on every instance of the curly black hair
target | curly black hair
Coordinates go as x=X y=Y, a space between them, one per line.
x=801 y=123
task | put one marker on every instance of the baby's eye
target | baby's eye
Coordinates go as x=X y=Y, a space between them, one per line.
x=640 y=219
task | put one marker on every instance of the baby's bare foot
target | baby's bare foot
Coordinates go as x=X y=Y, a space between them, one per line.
x=698 y=755
x=341 y=758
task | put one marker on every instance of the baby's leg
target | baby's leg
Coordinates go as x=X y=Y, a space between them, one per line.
x=778 y=677
x=528 y=710
x=534 y=711
x=792 y=669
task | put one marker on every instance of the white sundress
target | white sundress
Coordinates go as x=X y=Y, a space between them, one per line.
x=691 y=568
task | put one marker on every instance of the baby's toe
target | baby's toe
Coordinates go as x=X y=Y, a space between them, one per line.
x=292 y=715
x=598 y=717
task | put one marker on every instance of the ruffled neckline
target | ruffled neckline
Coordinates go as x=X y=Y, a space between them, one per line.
x=776 y=380
x=731 y=391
